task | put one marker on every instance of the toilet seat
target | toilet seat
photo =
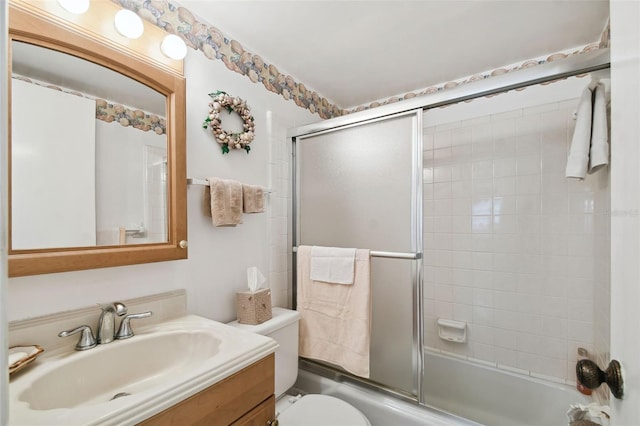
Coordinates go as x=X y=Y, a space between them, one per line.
x=322 y=410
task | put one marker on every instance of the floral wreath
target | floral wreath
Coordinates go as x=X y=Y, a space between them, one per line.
x=228 y=140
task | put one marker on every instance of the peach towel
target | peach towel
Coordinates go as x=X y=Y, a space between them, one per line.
x=252 y=199
x=335 y=319
x=226 y=202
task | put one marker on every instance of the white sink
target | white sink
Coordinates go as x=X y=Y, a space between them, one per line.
x=150 y=372
x=127 y=366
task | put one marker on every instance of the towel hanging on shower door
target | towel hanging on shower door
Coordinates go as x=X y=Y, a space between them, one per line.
x=335 y=319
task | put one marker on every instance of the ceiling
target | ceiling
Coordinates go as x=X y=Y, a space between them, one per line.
x=354 y=52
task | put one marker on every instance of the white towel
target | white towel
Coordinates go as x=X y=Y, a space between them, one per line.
x=599 y=152
x=333 y=264
x=581 y=142
x=335 y=320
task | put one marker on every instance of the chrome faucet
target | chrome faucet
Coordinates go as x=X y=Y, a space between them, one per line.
x=107 y=323
x=106 y=327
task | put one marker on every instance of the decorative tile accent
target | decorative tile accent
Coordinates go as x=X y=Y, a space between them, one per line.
x=138 y=119
x=216 y=46
x=110 y=112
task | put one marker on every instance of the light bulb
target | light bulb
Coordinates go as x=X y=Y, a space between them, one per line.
x=129 y=24
x=77 y=7
x=174 y=47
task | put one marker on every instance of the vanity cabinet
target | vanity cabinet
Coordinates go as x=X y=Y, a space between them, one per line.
x=244 y=399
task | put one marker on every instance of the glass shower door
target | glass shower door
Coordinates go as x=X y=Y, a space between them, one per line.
x=358 y=187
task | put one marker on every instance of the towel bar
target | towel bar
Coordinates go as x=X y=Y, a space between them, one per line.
x=389 y=254
x=196 y=181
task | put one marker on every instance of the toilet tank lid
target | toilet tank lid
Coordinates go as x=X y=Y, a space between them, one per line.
x=280 y=317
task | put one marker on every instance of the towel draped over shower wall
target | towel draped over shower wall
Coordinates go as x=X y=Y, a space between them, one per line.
x=590 y=143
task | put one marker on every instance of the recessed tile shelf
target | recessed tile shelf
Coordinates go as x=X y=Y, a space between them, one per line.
x=452 y=331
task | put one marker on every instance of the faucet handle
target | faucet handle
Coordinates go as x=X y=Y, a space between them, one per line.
x=125 y=331
x=86 y=341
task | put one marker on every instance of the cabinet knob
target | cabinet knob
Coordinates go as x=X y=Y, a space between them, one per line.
x=183 y=244
x=273 y=422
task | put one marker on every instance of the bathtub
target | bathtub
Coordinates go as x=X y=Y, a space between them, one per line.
x=495 y=397
x=457 y=393
x=379 y=408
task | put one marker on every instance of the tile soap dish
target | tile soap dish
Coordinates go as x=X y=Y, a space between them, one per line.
x=452 y=331
x=21 y=356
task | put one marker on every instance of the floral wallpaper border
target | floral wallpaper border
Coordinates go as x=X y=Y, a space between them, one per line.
x=216 y=46
x=210 y=41
x=499 y=71
x=138 y=119
x=113 y=112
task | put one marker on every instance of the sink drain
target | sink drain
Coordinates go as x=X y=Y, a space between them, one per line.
x=119 y=395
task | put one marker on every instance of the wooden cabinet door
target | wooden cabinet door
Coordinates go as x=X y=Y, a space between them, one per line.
x=225 y=402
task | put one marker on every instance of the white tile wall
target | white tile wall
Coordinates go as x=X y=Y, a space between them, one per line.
x=513 y=248
x=278 y=206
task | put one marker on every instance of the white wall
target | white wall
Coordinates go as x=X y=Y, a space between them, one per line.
x=625 y=204
x=218 y=257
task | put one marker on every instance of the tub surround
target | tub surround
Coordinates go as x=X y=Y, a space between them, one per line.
x=510 y=243
x=495 y=397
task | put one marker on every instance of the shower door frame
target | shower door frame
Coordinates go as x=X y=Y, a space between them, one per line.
x=416 y=239
x=548 y=72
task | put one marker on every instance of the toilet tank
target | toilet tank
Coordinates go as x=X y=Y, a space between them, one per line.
x=283 y=328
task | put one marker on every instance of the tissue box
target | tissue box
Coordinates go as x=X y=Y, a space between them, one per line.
x=253 y=307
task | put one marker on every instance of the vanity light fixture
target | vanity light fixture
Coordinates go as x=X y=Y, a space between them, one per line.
x=174 y=47
x=129 y=24
x=77 y=7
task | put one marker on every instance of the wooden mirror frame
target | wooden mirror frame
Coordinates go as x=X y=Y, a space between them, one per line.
x=34 y=28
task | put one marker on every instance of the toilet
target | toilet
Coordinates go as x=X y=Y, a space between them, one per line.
x=309 y=410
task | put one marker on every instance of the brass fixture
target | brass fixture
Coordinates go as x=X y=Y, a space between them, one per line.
x=591 y=376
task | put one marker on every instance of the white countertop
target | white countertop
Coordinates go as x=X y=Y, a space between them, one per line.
x=236 y=350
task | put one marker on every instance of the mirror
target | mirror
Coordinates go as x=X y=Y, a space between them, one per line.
x=97 y=156
x=100 y=146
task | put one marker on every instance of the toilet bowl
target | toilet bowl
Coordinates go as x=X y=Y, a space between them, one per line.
x=308 y=410
x=322 y=410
